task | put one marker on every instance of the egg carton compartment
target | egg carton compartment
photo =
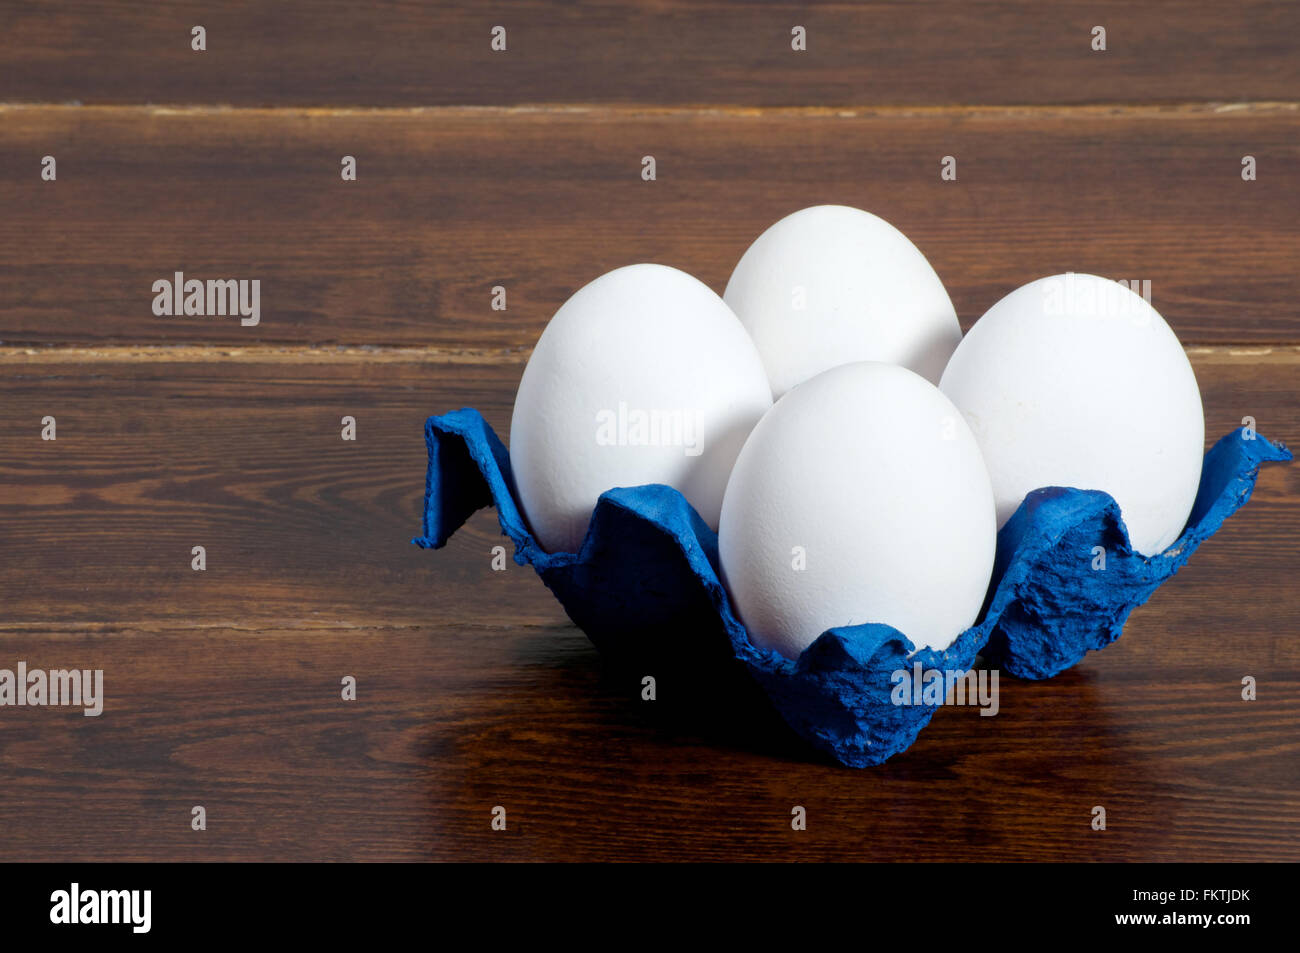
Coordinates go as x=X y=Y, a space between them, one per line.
x=645 y=587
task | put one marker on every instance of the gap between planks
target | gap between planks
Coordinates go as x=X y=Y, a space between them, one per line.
x=263 y=628
x=1175 y=110
x=1253 y=353
x=261 y=354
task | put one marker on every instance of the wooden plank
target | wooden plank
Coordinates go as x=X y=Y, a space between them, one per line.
x=450 y=204
x=522 y=169
x=222 y=687
x=332 y=52
x=452 y=720
x=300 y=526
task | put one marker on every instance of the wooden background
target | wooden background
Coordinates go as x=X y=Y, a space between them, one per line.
x=522 y=169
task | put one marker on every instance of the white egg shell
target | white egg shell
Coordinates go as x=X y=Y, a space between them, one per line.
x=1077 y=381
x=643 y=376
x=830 y=285
x=860 y=497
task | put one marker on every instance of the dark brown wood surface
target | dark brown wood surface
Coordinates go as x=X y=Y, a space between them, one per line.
x=684 y=52
x=449 y=204
x=245 y=458
x=474 y=690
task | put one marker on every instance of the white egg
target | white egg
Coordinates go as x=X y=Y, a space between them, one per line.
x=1077 y=381
x=829 y=285
x=860 y=497
x=643 y=376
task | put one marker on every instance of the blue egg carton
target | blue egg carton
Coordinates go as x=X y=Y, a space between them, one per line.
x=645 y=587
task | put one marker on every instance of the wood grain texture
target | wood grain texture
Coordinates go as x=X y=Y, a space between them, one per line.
x=334 y=52
x=522 y=169
x=246 y=460
x=223 y=686
x=453 y=719
x=451 y=203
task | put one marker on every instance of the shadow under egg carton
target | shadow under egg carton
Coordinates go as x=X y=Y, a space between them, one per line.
x=645 y=587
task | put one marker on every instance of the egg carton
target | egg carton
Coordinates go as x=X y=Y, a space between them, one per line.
x=645 y=587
